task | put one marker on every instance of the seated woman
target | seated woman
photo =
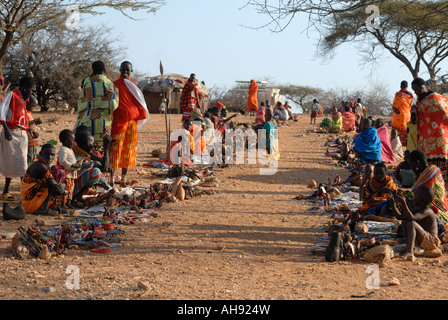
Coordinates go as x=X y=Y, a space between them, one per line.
x=38 y=187
x=90 y=173
x=348 y=120
x=387 y=155
x=368 y=143
x=377 y=191
x=335 y=121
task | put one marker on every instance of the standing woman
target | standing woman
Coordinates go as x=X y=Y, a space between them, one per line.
x=96 y=104
x=432 y=125
x=128 y=118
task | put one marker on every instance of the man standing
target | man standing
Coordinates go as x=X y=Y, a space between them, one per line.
x=128 y=118
x=402 y=111
x=252 y=100
x=14 y=138
x=189 y=99
x=96 y=104
x=432 y=125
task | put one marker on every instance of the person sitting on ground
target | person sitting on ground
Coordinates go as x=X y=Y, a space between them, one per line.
x=259 y=118
x=396 y=145
x=281 y=112
x=403 y=172
x=368 y=144
x=334 y=122
x=387 y=155
x=419 y=224
x=38 y=187
x=367 y=176
x=377 y=191
x=430 y=176
x=348 y=120
x=67 y=160
x=90 y=174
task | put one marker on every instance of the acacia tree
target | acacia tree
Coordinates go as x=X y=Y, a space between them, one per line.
x=414 y=32
x=59 y=61
x=20 y=18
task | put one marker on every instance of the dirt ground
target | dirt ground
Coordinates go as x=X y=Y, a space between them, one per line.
x=251 y=240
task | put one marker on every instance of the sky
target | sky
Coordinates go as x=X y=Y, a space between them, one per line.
x=221 y=43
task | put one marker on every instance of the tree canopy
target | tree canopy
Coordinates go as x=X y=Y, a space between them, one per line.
x=414 y=32
x=20 y=18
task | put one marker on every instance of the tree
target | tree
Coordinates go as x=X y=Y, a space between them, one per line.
x=59 y=61
x=20 y=18
x=302 y=95
x=414 y=32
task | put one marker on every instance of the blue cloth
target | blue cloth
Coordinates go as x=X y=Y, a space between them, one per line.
x=368 y=144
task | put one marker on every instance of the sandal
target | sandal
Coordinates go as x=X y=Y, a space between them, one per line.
x=7 y=197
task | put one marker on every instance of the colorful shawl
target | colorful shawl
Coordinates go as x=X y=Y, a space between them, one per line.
x=432 y=177
x=252 y=101
x=372 y=197
x=96 y=105
x=35 y=191
x=131 y=106
x=432 y=126
x=368 y=144
x=387 y=154
x=402 y=112
x=189 y=99
x=260 y=117
x=348 y=121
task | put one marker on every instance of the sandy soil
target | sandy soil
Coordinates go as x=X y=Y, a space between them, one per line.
x=249 y=241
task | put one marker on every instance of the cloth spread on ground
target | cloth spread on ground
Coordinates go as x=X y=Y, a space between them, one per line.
x=368 y=144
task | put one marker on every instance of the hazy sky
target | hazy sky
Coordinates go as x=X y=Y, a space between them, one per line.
x=216 y=41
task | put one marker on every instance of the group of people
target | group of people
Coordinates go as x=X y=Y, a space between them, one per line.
x=347 y=118
x=103 y=140
x=420 y=126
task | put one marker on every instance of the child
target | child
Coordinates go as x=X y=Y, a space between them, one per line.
x=397 y=147
x=33 y=135
x=419 y=223
x=67 y=159
x=403 y=173
x=412 y=132
x=368 y=174
x=314 y=110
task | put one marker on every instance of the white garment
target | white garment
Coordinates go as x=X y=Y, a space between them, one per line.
x=67 y=159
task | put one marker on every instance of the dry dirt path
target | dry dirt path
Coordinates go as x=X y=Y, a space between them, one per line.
x=249 y=241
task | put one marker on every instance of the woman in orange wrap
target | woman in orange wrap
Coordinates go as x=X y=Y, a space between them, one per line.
x=127 y=119
x=252 y=102
x=402 y=111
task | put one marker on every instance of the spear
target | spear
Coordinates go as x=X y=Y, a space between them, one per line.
x=168 y=129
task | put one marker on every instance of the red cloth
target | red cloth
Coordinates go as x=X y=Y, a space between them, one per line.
x=260 y=117
x=189 y=102
x=128 y=108
x=348 y=121
x=252 y=102
x=387 y=154
x=18 y=115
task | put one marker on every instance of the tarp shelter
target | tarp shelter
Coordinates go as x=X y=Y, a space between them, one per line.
x=169 y=85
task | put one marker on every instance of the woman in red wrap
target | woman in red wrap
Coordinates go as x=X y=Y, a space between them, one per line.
x=130 y=115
